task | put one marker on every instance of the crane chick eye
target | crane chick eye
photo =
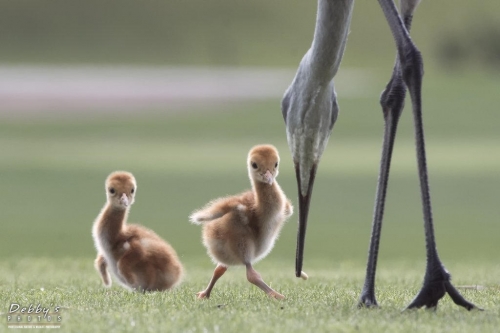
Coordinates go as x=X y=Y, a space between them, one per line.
x=132 y=191
x=254 y=165
x=112 y=190
x=276 y=165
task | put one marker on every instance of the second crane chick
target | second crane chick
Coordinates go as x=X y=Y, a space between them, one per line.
x=242 y=229
x=137 y=256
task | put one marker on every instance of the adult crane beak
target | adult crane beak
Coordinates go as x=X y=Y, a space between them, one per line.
x=304 y=201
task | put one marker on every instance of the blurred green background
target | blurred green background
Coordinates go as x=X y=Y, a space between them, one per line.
x=53 y=164
x=238 y=33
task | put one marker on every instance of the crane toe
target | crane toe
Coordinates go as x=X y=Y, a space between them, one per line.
x=432 y=292
x=367 y=301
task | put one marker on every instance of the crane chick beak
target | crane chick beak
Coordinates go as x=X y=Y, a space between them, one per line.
x=124 y=200
x=304 y=201
x=268 y=177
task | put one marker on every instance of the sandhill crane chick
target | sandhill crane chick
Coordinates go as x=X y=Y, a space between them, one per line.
x=137 y=257
x=242 y=229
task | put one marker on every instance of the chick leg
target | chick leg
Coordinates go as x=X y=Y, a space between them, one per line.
x=101 y=267
x=254 y=277
x=218 y=272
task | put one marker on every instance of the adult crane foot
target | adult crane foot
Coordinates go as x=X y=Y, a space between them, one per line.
x=433 y=291
x=367 y=301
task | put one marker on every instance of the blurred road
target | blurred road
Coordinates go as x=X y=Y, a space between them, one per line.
x=30 y=90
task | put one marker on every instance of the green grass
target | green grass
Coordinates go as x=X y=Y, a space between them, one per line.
x=324 y=303
x=52 y=173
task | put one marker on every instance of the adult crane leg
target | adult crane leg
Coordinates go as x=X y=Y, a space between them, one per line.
x=437 y=279
x=392 y=103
